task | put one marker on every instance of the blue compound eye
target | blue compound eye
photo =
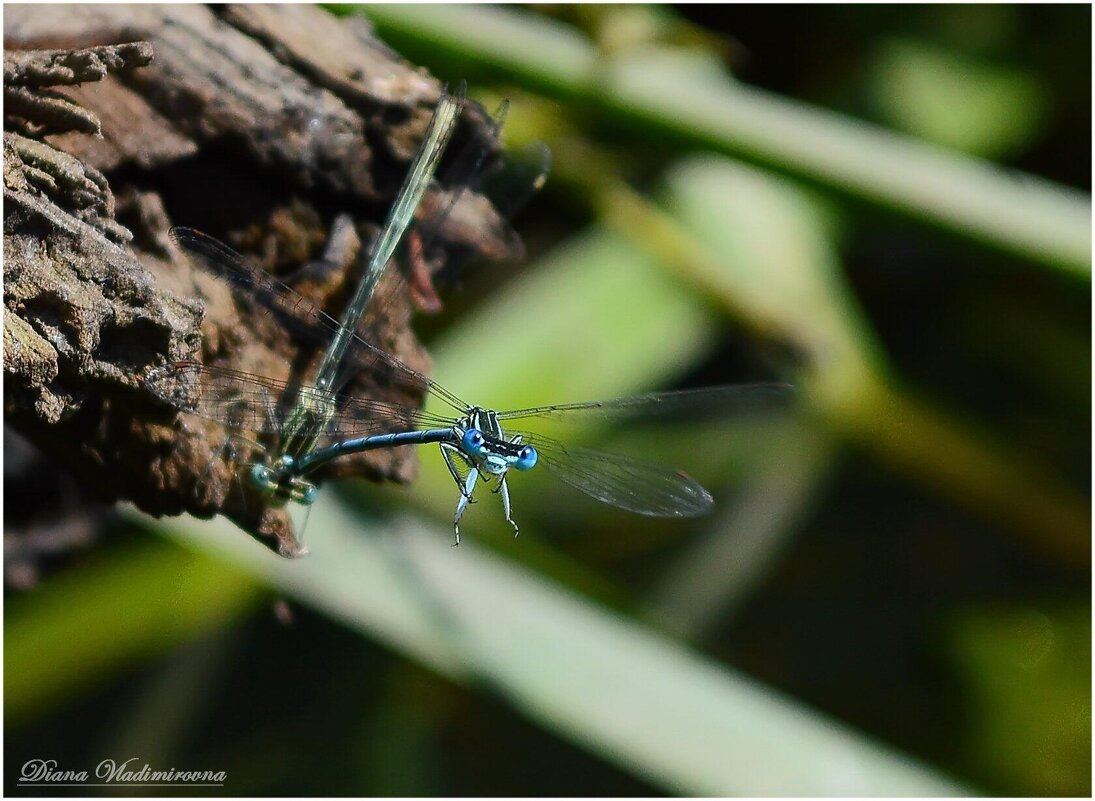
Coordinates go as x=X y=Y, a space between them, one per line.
x=305 y=493
x=473 y=441
x=526 y=458
x=262 y=477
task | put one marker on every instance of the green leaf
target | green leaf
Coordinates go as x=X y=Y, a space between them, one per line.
x=950 y=99
x=1027 y=674
x=81 y=628
x=634 y=697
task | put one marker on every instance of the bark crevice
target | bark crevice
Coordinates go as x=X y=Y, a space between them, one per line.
x=244 y=122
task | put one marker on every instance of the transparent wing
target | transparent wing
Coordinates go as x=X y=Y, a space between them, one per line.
x=492 y=198
x=463 y=178
x=440 y=215
x=641 y=487
x=299 y=314
x=681 y=404
x=248 y=402
x=291 y=309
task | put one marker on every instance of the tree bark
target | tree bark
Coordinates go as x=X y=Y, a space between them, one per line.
x=259 y=125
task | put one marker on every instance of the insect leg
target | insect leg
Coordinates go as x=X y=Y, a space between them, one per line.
x=503 y=487
x=462 y=504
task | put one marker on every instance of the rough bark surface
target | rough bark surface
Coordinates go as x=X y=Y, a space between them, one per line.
x=259 y=125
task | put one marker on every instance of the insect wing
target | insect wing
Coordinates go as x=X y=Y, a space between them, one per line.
x=247 y=402
x=680 y=405
x=642 y=487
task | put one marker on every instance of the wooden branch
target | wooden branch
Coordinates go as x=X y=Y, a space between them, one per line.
x=38 y=110
x=257 y=124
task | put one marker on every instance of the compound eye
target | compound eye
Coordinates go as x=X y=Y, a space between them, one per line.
x=262 y=477
x=305 y=493
x=526 y=458
x=473 y=441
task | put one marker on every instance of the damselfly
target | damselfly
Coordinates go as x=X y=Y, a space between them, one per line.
x=475 y=438
x=314 y=405
x=304 y=423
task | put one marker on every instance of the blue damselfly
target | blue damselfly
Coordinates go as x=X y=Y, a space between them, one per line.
x=475 y=438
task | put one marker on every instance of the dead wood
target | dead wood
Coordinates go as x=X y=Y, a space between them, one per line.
x=259 y=125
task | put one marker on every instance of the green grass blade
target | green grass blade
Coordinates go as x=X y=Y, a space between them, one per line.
x=79 y=629
x=664 y=93
x=632 y=696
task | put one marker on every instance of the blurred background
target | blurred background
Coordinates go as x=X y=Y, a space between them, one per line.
x=888 y=207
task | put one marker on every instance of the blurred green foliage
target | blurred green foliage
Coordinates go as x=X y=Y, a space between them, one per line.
x=953 y=100
x=894 y=594
x=1028 y=671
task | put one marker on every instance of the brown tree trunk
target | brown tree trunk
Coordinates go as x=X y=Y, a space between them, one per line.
x=258 y=124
